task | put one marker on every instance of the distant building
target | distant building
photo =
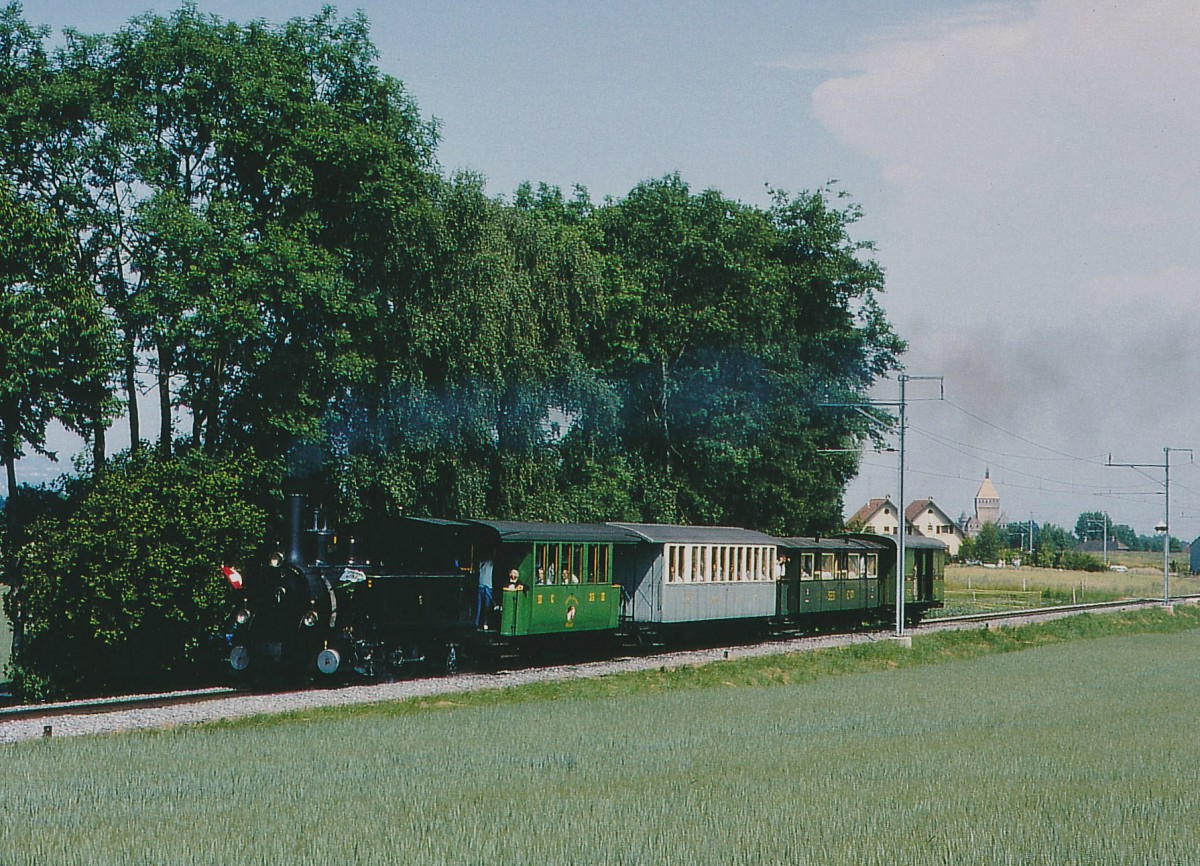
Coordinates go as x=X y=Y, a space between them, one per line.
x=1096 y=545
x=879 y=516
x=925 y=518
x=987 y=508
x=922 y=517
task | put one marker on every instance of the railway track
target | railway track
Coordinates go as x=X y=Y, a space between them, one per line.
x=188 y=707
x=94 y=706
x=1059 y=610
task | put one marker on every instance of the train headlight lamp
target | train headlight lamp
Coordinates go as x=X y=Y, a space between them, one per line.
x=309 y=619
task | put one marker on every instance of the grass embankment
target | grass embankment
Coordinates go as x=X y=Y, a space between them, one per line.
x=973 y=589
x=1077 y=752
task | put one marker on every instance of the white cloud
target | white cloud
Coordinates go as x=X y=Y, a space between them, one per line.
x=1040 y=242
x=1048 y=145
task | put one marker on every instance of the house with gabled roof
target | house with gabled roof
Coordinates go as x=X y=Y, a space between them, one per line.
x=880 y=516
x=925 y=517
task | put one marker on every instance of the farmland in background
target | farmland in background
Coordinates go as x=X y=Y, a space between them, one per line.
x=1068 y=753
x=1145 y=559
x=974 y=589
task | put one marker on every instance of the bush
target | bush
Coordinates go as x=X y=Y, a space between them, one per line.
x=1074 y=560
x=124 y=590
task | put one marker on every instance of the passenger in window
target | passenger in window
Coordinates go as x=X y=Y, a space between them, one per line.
x=514 y=581
x=540 y=576
x=780 y=567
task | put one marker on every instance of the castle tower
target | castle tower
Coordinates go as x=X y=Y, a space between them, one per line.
x=987 y=501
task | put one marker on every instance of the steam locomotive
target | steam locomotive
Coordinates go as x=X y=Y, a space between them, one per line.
x=395 y=593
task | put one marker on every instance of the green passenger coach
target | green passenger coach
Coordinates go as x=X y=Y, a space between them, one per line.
x=565 y=576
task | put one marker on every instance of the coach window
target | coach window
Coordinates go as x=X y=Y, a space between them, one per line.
x=578 y=564
x=739 y=563
x=828 y=566
x=854 y=566
x=593 y=560
x=674 y=563
x=808 y=566
x=872 y=564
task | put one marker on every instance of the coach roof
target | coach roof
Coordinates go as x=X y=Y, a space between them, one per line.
x=659 y=533
x=598 y=533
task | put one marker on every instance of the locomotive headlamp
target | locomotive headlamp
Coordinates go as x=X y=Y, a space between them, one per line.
x=242 y=616
x=309 y=619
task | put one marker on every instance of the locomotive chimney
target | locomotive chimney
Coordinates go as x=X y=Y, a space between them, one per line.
x=295 y=510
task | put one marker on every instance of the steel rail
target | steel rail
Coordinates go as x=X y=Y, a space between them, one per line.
x=1059 y=608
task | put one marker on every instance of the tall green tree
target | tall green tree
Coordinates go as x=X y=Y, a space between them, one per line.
x=54 y=347
x=733 y=324
x=47 y=138
x=1093 y=524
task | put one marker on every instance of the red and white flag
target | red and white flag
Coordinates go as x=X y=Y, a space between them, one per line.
x=232 y=575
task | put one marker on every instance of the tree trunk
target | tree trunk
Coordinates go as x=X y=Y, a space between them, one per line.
x=664 y=426
x=164 y=404
x=12 y=569
x=135 y=431
x=99 y=436
x=212 y=409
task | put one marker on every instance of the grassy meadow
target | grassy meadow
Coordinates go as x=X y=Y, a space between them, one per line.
x=974 y=589
x=960 y=750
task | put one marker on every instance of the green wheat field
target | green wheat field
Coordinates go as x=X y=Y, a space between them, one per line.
x=1066 y=743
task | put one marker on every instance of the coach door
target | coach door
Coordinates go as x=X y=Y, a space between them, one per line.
x=923 y=568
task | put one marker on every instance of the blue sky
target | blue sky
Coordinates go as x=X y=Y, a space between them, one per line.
x=1028 y=171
